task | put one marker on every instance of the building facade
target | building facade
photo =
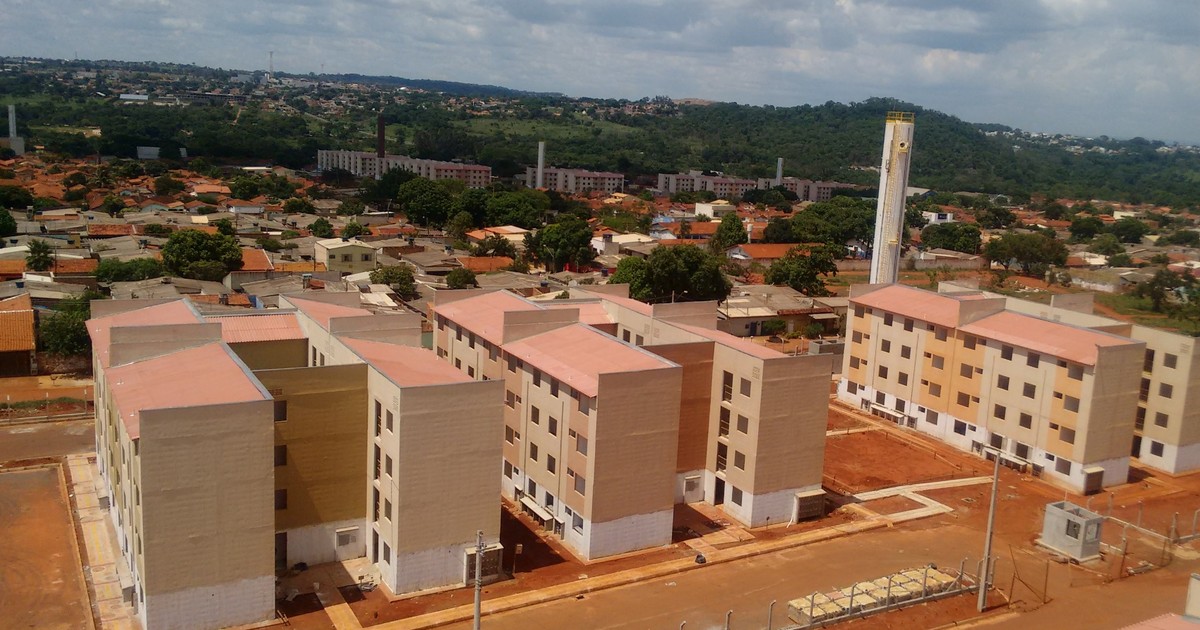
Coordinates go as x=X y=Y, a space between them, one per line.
x=367 y=164
x=575 y=181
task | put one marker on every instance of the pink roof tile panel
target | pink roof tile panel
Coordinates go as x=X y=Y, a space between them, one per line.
x=204 y=375
x=406 y=366
x=484 y=314
x=590 y=313
x=923 y=305
x=176 y=312
x=322 y=312
x=578 y=354
x=1080 y=345
x=736 y=343
x=250 y=328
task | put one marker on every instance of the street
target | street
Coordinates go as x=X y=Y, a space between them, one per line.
x=46 y=439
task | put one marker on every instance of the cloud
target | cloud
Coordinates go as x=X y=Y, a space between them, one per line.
x=1072 y=66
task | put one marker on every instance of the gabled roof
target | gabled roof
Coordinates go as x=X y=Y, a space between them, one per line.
x=251 y=328
x=255 y=260
x=204 y=375
x=176 y=312
x=16 y=324
x=406 y=366
x=322 y=312
x=578 y=354
x=1072 y=343
x=484 y=314
x=927 y=306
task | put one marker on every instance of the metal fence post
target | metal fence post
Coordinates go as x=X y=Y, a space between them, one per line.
x=728 y=615
x=770 y=614
x=812 y=607
x=887 y=603
x=1110 y=502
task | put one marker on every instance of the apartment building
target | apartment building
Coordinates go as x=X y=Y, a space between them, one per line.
x=1167 y=421
x=1055 y=397
x=648 y=404
x=368 y=164
x=723 y=187
x=805 y=189
x=345 y=255
x=574 y=180
x=233 y=446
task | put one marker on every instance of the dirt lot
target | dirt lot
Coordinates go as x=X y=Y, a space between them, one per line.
x=46 y=439
x=41 y=582
x=840 y=421
x=858 y=462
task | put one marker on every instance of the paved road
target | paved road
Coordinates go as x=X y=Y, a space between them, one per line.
x=46 y=439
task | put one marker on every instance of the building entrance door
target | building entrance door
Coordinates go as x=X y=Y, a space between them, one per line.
x=719 y=492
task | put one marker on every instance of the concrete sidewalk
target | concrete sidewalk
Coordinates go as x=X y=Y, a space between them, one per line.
x=104 y=563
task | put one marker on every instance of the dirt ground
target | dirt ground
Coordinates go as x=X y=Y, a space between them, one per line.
x=23 y=388
x=840 y=421
x=41 y=581
x=858 y=462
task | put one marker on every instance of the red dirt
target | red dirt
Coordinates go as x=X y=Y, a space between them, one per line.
x=840 y=420
x=892 y=505
x=24 y=388
x=41 y=577
x=858 y=462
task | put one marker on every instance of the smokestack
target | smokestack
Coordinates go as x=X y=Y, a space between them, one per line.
x=12 y=121
x=541 y=170
x=779 y=172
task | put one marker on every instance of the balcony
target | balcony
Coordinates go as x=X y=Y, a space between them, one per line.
x=723 y=428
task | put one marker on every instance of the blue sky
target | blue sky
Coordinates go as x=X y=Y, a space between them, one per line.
x=1122 y=68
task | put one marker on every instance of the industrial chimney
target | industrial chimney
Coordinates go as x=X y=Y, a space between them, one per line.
x=541 y=168
x=779 y=172
x=893 y=186
x=17 y=144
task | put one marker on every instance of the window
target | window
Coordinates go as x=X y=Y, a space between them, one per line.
x=960 y=427
x=580 y=484
x=888 y=318
x=508 y=469
x=553 y=426
x=366 y=258
x=471 y=340
x=581 y=444
x=1160 y=419
x=639 y=340
x=535 y=415
x=531 y=487
x=745 y=387
x=883 y=371
x=377 y=461
x=1170 y=360
x=551 y=463
x=533 y=451
x=969 y=342
x=964 y=399
x=999 y=412
x=735 y=495
x=939 y=333
x=554 y=387
x=387 y=554
x=1030 y=390
x=938 y=362
x=281 y=454
x=585 y=404
x=1148 y=361
x=458 y=364
x=537 y=377
x=1156 y=448
x=908 y=325
x=966 y=371
x=856 y=337
x=855 y=362
x=322 y=359
x=1071 y=403
x=935 y=389
x=625 y=336
x=493 y=352
x=1006 y=353
x=860 y=311
x=512 y=364
x=743 y=425
x=577 y=522
x=510 y=399
x=902 y=378
x=1165 y=390
x=881 y=398
x=727 y=385
x=1067 y=435
x=346 y=258
x=1063 y=466
x=885 y=346
x=314 y=355
x=1032 y=360
x=1144 y=391
x=509 y=435
x=549 y=500
x=1002 y=382
x=723 y=423
x=905 y=351
x=387 y=509
x=280 y=410
x=739 y=460
x=1075 y=372
x=387 y=464
x=931 y=416
x=281 y=499
x=1140 y=419
x=390 y=420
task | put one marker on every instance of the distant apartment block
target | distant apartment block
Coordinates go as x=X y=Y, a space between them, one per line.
x=726 y=187
x=617 y=410
x=236 y=446
x=1054 y=397
x=575 y=181
x=805 y=189
x=367 y=164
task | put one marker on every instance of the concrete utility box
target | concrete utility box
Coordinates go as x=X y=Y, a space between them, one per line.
x=1072 y=531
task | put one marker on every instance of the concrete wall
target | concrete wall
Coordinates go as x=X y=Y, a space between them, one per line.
x=270 y=355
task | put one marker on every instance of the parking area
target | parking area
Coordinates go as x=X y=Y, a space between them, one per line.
x=41 y=577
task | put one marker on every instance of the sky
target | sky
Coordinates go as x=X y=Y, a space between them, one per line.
x=1121 y=68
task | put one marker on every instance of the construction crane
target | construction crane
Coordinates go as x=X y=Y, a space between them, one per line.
x=893 y=183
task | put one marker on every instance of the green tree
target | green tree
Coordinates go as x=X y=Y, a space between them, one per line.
x=157 y=229
x=245 y=187
x=1107 y=245
x=351 y=208
x=299 y=205
x=355 y=229
x=40 y=256
x=424 y=202
x=679 y=273
x=473 y=201
x=730 y=232
x=778 y=230
x=1085 y=227
x=805 y=271
x=495 y=245
x=1129 y=230
x=1159 y=288
x=165 y=185
x=114 y=270
x=399 y=278
x=773 y=327
x=514 y=208
x=15 y=198
x=321 y=228
x=567 y=242
x=113 y=205
x=959 y=237
x=8 y=225
x=458 y=226
x=995 y=218
x=196 y=254
x=1034 y=252
x=269 y=244
x=63 y=331
x=1120 y=260
x=225 y=226
x=461 y=279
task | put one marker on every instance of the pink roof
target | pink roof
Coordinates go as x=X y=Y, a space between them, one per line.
x=248 y=328
x=590 y=313
x=406 y=366
x=176 y=312
x=484 y=314
x=209 y=374
x=927 y=306
x=578 y=354
x=629 y=303
x=736 y=343
x=1060 y=340
x=322 y=312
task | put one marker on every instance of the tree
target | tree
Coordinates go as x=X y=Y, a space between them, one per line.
x=778 y=230
x=729 y=233
x=1034 y=253
x=245 y=187
x=354 y=229
x=773 y=327
x=995 y=218
x=679 y=273
x=40 y=256
x=114 y=270
x=495 y=245
x=473 y=201
x=1129 y=230
x=299 y=205
x=514 y=208
x=804 y=271
x=567 y=242
x=1106 y=244
x=959 y=237
x=202 y=256
x=225 y=226
x=157 y=229
x=269 y=244
x=321 y=228
x=458 y=226
x=1085 y=227
x=1120 y=260
x=15 y=198
x=424 y=202
x=165 y=185
x=113 y=205
x=461 y=279
x=351 y=208
x=1159 y=288
x=64 y=330
x=399 y=278
x=8 y=225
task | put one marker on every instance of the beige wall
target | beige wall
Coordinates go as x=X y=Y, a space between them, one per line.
x=695 y=404
x=271 y=355
x=789 y=433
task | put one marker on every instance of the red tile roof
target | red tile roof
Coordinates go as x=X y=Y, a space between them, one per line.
x=250 y=328
x=484 y=314
x=255 y=260
x=109 y=229
x=16 y=324
x=175 y=312
x=1080 y=345
x=578 y=354
x=322 y=312
x=484 y=264
x=927 y=306
x=406 y=366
